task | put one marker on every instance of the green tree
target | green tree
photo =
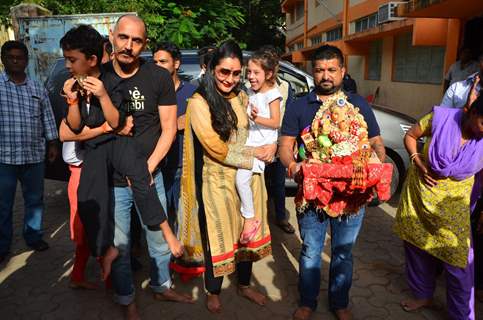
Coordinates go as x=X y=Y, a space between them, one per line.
x=265 y=23
x=186 y=23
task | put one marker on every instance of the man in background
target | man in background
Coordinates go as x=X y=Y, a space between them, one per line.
x=26 y=124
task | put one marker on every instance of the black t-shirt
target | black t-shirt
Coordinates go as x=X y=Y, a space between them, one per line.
x=92 y=115
x=151 y=87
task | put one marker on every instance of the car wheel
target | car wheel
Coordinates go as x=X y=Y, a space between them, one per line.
x=397 y=175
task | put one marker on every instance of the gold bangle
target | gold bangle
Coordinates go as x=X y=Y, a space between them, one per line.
x=413 y=156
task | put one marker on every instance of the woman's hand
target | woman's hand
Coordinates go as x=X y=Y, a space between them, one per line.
x=428 y=178
x=474 y=93
x=266 y=152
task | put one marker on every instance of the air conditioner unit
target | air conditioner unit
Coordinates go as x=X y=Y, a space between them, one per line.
x=387 y=12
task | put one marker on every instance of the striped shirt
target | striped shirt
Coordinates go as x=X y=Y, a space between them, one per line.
x=26 y=121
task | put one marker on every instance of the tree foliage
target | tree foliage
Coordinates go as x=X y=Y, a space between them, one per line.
x=188 y=23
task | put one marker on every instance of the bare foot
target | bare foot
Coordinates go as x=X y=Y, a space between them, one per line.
x=110 y=255
x=132 y=312
x=213 y=303
x=173 y=296
x=343 y=314
x=253 y=295
x=83 y=285
x=415 y=304
x=302 y=313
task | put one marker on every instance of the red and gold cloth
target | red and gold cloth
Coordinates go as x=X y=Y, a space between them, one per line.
x=329 y=187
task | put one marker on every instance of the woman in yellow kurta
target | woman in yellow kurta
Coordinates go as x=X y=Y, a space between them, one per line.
x=213 y=150
x=433 y=217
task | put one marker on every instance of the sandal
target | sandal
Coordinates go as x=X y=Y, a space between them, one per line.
x=286 y=226
x=246 y=237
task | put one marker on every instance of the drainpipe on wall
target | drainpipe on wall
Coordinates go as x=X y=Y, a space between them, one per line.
x=306 y=23
x=345 y=28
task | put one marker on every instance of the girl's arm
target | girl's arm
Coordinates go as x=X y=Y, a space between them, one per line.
x=274 y=120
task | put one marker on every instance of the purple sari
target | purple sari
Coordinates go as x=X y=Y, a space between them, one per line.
x=447 y=157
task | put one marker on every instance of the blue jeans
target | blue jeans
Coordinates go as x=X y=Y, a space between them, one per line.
x=31 y=177
x=275 y=181
x=172 y=184
x=344 y=231
x=122 y=278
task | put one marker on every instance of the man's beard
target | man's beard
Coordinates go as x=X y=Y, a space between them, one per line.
x=326 y=91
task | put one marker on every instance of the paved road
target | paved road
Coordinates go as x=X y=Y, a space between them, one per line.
x=35 y=285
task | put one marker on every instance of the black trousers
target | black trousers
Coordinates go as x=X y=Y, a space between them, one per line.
x=212 y=283
x=95 y=193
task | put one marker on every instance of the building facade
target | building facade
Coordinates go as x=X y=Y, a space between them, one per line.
x=397 y=51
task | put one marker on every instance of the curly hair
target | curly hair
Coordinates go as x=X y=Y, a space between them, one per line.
x=268 y=61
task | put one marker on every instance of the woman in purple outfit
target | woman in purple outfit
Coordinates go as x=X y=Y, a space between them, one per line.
x=433 y=218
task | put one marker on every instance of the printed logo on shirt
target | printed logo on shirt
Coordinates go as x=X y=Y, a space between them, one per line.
x=137 y=100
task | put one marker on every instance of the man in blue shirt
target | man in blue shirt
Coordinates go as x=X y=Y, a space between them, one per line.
x=168 y=56
x=457 y=94
x=26 y=123
x=328 y=72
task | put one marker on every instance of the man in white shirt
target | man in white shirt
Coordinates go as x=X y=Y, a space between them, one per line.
x=461 y=69
x=457 y=94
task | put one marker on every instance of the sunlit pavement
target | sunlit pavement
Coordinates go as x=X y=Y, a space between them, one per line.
x=35 y=285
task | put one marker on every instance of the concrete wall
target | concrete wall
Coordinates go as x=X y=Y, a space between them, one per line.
x=320 y=13
x=414 y=99
x=354 y=2
x=294 y=29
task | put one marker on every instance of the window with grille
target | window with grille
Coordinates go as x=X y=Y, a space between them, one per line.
x=316 y=39
x=365 y=23
x=417 y=63
x=374 y=61
x=334 y=34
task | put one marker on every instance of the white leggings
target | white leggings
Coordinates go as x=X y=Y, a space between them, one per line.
x=243 y=185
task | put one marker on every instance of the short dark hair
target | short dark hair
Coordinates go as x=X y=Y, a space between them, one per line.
x=328 y=52
x=107 y=44
x=12 y=44
x=169 y=47
x=86 y=39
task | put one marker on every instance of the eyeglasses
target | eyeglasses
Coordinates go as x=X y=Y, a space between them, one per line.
x=225 y=73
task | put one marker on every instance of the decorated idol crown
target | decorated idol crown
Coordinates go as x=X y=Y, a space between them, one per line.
x=338 y=134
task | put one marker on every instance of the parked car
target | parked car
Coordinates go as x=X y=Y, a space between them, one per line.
x=393 y=124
